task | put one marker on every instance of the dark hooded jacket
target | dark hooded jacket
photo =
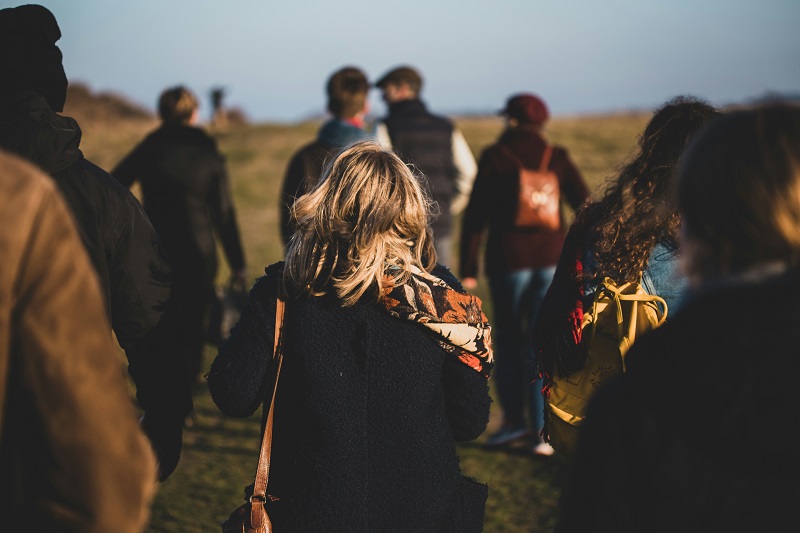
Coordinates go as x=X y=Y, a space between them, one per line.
x=122 y=244
x=307 y=163
x=124 y=248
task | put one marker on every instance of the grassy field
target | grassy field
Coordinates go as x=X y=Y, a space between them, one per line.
x=220 y=454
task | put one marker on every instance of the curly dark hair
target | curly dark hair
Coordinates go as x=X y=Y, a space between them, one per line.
x=637 y=209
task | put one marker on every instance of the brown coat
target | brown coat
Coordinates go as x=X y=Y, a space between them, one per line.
x=72 y=456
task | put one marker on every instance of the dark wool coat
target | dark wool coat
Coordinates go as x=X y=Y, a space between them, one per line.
x=367 y=411
x=493 y=203
x=72 y=455
x=701 y=433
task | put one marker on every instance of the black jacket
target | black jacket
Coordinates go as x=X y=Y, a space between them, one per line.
x=426 y=141
x=700 y=434
x=124 y=248
x=367 y=411
x=186 y=194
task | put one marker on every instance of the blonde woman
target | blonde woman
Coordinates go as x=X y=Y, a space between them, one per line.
x=386 y=361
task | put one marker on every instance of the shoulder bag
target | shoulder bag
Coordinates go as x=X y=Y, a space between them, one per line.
x=251 y=517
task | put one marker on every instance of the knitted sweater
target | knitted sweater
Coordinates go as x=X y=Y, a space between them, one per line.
x=367 y=413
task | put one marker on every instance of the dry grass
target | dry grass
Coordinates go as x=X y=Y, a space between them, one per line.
x=220 y=454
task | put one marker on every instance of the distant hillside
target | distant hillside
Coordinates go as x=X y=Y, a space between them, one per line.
x=85 y=105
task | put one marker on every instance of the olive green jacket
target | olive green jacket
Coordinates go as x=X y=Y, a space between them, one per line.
x=72 y=455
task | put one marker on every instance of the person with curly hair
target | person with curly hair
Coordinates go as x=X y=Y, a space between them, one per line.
x=700 y=433
x=630 y=232
x=385 y=365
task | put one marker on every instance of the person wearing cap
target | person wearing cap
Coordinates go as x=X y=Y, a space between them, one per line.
x=519 y=261
x=126 y=252
x=347 y=91
x=433 y=145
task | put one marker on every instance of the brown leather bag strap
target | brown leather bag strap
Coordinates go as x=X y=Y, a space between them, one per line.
x=262 y=472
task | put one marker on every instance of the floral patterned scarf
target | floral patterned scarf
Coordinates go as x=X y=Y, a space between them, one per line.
x=453 y=318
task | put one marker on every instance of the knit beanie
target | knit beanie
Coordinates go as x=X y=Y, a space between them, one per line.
x=526 y=108
x=29 y=57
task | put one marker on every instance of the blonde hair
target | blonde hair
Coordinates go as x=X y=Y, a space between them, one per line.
x=739 y=193
x=176 y=105
x=361 y=228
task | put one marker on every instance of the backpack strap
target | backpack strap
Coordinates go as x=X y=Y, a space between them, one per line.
x=548 y=152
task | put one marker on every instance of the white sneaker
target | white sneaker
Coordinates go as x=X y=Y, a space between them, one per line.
x=543 y=449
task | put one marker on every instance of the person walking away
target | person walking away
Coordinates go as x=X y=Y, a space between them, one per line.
x=433 y=145
x=186 y=193
x=699 y=435
x=519 y=259
x=347 y=91
x=124 y=249
x=631 y=231
x=72 y=454
x=385 y=361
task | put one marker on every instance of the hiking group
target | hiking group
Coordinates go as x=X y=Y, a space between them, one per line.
x=645 y=338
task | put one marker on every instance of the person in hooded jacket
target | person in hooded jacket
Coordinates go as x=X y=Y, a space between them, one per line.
x=700 y=433
x=186 y=193
x=126 y=252
x=347 y=90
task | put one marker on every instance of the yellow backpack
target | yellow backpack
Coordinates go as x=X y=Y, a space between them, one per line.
x=618 y=315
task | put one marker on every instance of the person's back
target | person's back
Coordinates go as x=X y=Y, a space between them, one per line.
x=184 y=176
x=72 y=456
x=347 y=90
x=186 y=193
x=370 y=397
x=433 y=145
x=631 y=230
x=718 y=452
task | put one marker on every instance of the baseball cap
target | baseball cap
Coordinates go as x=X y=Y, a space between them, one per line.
x=527 y=108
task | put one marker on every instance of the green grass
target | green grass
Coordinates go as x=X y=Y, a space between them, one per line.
x=220 y=454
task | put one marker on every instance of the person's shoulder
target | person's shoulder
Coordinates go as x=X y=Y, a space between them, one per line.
x=445 y=274
x=267 y=285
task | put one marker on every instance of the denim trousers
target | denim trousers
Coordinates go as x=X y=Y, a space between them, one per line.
x=516 y=298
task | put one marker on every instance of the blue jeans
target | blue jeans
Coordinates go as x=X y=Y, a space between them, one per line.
x=516 y=298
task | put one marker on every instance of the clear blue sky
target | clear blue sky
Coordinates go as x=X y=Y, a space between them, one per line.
x=581 y=56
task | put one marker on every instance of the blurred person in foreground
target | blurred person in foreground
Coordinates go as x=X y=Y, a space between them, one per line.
x=700 y=433
x=123 y=246
x=519 y=260
x=72 y=455
x=347 y=91
x=385 y=361
x=186 y=193
x=433 y=145
x=630 y=231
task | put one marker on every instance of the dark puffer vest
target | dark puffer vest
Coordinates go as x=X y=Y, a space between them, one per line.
x=426 y=141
